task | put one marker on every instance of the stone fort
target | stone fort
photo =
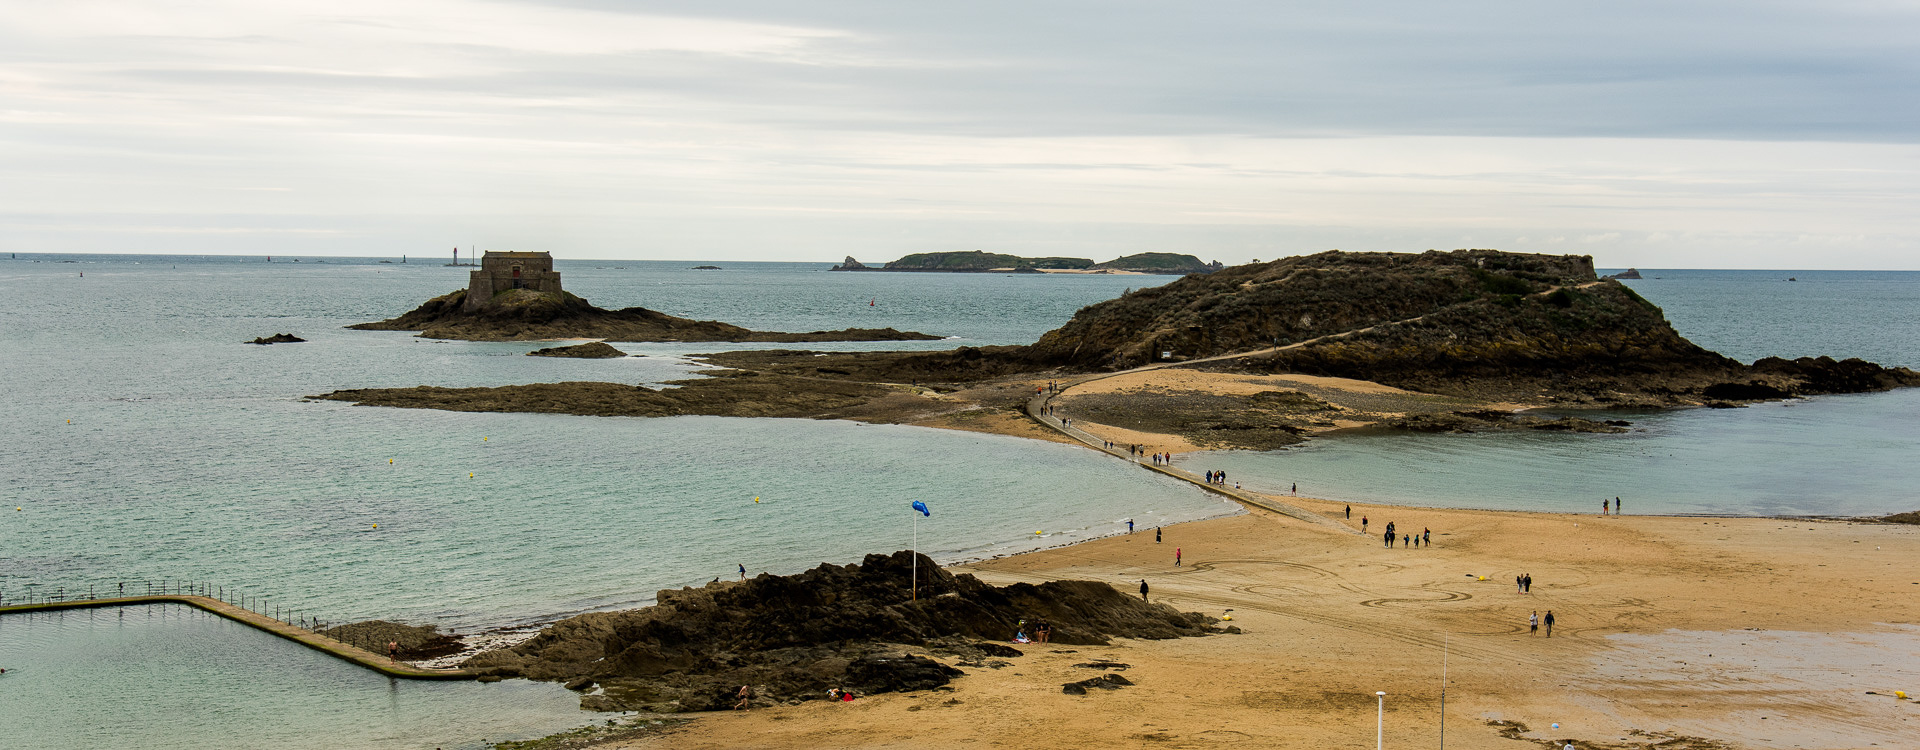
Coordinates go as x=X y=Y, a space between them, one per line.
x=502 y=271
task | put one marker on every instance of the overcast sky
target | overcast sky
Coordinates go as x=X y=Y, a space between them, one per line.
x=1746 y=134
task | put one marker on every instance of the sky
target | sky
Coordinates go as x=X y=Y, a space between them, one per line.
x=1749 y=134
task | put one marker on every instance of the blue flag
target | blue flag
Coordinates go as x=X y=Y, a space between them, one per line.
x=922 y=507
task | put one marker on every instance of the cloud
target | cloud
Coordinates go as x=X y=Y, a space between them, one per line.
x=782 y=130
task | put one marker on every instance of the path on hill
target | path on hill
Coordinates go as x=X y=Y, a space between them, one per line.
x=1041 y=400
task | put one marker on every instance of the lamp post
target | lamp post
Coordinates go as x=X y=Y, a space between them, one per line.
x=1380 y=721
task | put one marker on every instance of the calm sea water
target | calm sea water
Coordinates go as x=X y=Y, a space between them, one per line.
x=1831 y=455
x=145 y=442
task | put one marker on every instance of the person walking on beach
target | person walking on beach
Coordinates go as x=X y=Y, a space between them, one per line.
x=1389 y=538
x=1520 y=584
x=1129 y=526
x=1405 y=539
x=1616 y=506
x=1363 y=524
x=1349 y=512
x=1549 y=621
x=1296 y=491
x=1176 y=557
x=1156 y=535
x=1143 y=589
x=1426 y=537
x=1533 y=623
x=746 y=698
x=393 y=652
x=1526 y=584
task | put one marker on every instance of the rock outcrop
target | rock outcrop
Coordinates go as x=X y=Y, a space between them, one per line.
x=278 y=338
x=1166 y=263
x=1631 y=273
x=592 y=350
x=792 y=637
x=526 y=315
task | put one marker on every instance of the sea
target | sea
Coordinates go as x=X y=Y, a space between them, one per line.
x=146 y=445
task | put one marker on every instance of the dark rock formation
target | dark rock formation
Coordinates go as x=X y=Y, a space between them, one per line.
x=852 y=265
x=525 y=315
x=1631 y=273
x=416 y=641
x=1910 y=517
x=977 y=261
x=706 y=268
x=792 y=637
x=1103 y=682
x=1174 y=263
x=730 y=393
x=278 y=338
x=593 y=350
x=1488 y=420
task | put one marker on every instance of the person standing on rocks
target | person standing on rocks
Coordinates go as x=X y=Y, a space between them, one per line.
x=1143 y=589
x=743 y=571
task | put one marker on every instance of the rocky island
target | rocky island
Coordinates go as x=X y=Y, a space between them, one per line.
x=1259 y=356
x=593 y=350
x=517 y=297
x=836 y=626
x=976 y=261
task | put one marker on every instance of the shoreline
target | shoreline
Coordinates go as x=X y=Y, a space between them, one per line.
x=1329 y=618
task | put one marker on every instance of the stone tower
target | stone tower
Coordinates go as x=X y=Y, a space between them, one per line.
x=500 y=272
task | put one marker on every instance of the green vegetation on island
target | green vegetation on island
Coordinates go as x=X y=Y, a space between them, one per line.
x=977 y=261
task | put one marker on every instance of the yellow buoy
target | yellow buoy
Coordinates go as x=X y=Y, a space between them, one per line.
x=69 y=421
x=389 y=460
x=469 y=475
x=16 y=507
x=376 y=525
x=756 y=498
x=483 y=440
x=1036 y=533
x=1902 y=694
x=1226 y=617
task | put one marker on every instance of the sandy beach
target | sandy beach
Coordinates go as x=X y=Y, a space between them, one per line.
x=1674 y=632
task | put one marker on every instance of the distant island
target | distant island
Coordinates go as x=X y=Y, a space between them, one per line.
x=1631 y=273
x=976 y=261
x=516 y=296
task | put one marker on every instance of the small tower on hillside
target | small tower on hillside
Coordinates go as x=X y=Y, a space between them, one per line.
x=500 y=272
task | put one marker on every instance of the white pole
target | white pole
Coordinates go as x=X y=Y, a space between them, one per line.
x=1380 y=721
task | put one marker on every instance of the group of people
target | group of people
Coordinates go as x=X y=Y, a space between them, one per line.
x=1422 y=539
x=1524 y=583
x=1603 y=506
x=1534 y=621
x=1157 y=458
x=1042 y=632
x=1217 y=477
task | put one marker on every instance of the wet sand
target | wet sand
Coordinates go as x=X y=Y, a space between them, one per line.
x=1736 y=632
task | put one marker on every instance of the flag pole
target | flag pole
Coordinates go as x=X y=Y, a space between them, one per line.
x=916 y=558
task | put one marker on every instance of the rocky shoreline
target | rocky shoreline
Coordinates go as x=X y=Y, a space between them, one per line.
x=525 y=315
x=856 y=627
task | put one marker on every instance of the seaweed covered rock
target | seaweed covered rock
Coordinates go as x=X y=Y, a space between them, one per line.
x=792 y=637
x=527 y=315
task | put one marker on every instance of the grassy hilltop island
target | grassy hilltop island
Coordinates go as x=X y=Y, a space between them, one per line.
x=517 y=297
x=976 y=261
x=1262 y=355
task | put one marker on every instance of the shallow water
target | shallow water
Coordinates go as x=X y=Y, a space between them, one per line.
x=1830 y=455
x=169 y=676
